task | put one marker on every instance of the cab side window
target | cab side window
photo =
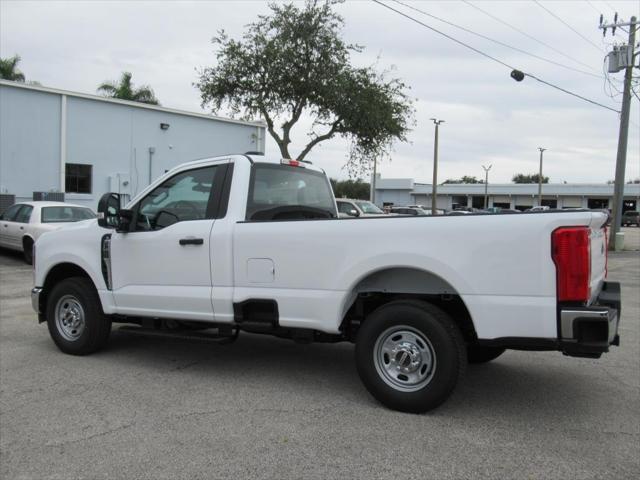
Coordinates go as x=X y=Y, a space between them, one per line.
x=183 y=197
x=24 y=214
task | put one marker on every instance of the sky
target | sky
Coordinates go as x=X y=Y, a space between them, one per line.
x=489 y=118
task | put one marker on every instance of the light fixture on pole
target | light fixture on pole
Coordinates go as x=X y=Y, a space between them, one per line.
x=486 y=185
x=540 y=177
x=434 y=190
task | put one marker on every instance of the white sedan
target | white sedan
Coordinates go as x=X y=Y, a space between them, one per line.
x=22 y=223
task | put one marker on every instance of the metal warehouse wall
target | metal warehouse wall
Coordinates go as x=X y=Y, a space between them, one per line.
x=29 y=141
x=113 y=137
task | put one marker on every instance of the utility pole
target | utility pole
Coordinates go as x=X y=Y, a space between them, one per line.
x=540 y=177
x=372 y=194
x=621 y=158
x=486 y=185
x=434 y=191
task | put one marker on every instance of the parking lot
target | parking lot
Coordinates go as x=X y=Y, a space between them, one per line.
x=263 y=407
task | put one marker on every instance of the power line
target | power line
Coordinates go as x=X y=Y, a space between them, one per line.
x=445 y=35
x=571 y=93
x=531 y=37
x=491 y=57
x=497 y=41
x=567 y=25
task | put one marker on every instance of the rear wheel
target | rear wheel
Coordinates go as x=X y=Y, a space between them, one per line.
x=75 y=319
x=410 y=355
x=478 y=354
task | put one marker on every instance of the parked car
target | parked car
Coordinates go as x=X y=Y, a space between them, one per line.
x=459 y=212
x=439 y=211
x=357 y=208
x=631 y=217
x=243 y=243
x=500 y=210
x=538 y=208
x=22 y=223
x=415 y=211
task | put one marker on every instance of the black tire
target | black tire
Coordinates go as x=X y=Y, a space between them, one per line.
x=444 y=342
x=96 y=327
x=27 y=250
x=478 y=354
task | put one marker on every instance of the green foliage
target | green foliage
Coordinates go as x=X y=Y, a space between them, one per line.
x=355 y=189
x=9 y=69
x=293 y=61
x=532 y=178
x=464 y=179
x=124 y=90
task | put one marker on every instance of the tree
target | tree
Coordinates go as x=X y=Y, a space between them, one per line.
x=356 y=189
x=464 y=179
x=124 y=90
x=294 y=62
x=531 y=178
x=9 y=69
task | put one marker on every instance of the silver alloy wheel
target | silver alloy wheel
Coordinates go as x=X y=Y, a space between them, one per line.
x=69 y=316
x=404 y=358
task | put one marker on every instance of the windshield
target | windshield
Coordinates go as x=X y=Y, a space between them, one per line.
x=368 y=207
x=65 y=214
x=281 y=189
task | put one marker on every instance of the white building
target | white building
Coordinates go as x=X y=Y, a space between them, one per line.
x=405 y=191
x=85 y=145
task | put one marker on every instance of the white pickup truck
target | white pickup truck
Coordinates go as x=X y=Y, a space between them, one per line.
x=241 y=243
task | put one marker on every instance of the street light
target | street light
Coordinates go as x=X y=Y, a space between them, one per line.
x=434 y=190
x=540 y=177
x=486 y=185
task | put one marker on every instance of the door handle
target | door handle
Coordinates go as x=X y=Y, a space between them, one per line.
x=191 y=241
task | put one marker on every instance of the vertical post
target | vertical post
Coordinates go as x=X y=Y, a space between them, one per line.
x=63 y=142
x=434 y=190
x=486 y=185
x=540 y=177
x=621 y=158
x=372 y=194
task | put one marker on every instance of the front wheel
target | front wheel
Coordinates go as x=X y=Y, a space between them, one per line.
x=410 y=355
x=75 y=319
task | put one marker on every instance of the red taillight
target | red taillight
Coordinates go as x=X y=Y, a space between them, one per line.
x=571 y=252
x=293 y=163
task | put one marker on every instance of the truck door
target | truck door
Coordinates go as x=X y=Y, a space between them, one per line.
x=161 y=267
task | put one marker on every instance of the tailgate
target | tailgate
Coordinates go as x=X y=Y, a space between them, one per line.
x=598 y=239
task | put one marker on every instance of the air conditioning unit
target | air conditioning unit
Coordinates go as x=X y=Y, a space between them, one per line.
x=48 y=196
x=6 y=200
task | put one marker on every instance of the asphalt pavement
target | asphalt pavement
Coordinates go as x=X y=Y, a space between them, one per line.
x=150 y=408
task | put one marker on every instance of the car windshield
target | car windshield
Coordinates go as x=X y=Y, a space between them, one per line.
x=65 y=214
x=278 y=187
x=368 y=207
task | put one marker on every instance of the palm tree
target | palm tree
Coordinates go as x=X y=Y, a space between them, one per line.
x=9 y=69
x=124 y=90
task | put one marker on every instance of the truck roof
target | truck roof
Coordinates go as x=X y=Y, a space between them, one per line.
x=252 y=157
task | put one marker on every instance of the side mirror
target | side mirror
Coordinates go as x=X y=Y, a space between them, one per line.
x=109 y=210
x=354 y=213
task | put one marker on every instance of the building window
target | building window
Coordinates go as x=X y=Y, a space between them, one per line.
x=78 y=178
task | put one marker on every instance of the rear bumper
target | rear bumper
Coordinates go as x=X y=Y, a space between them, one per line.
x=589 y=331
